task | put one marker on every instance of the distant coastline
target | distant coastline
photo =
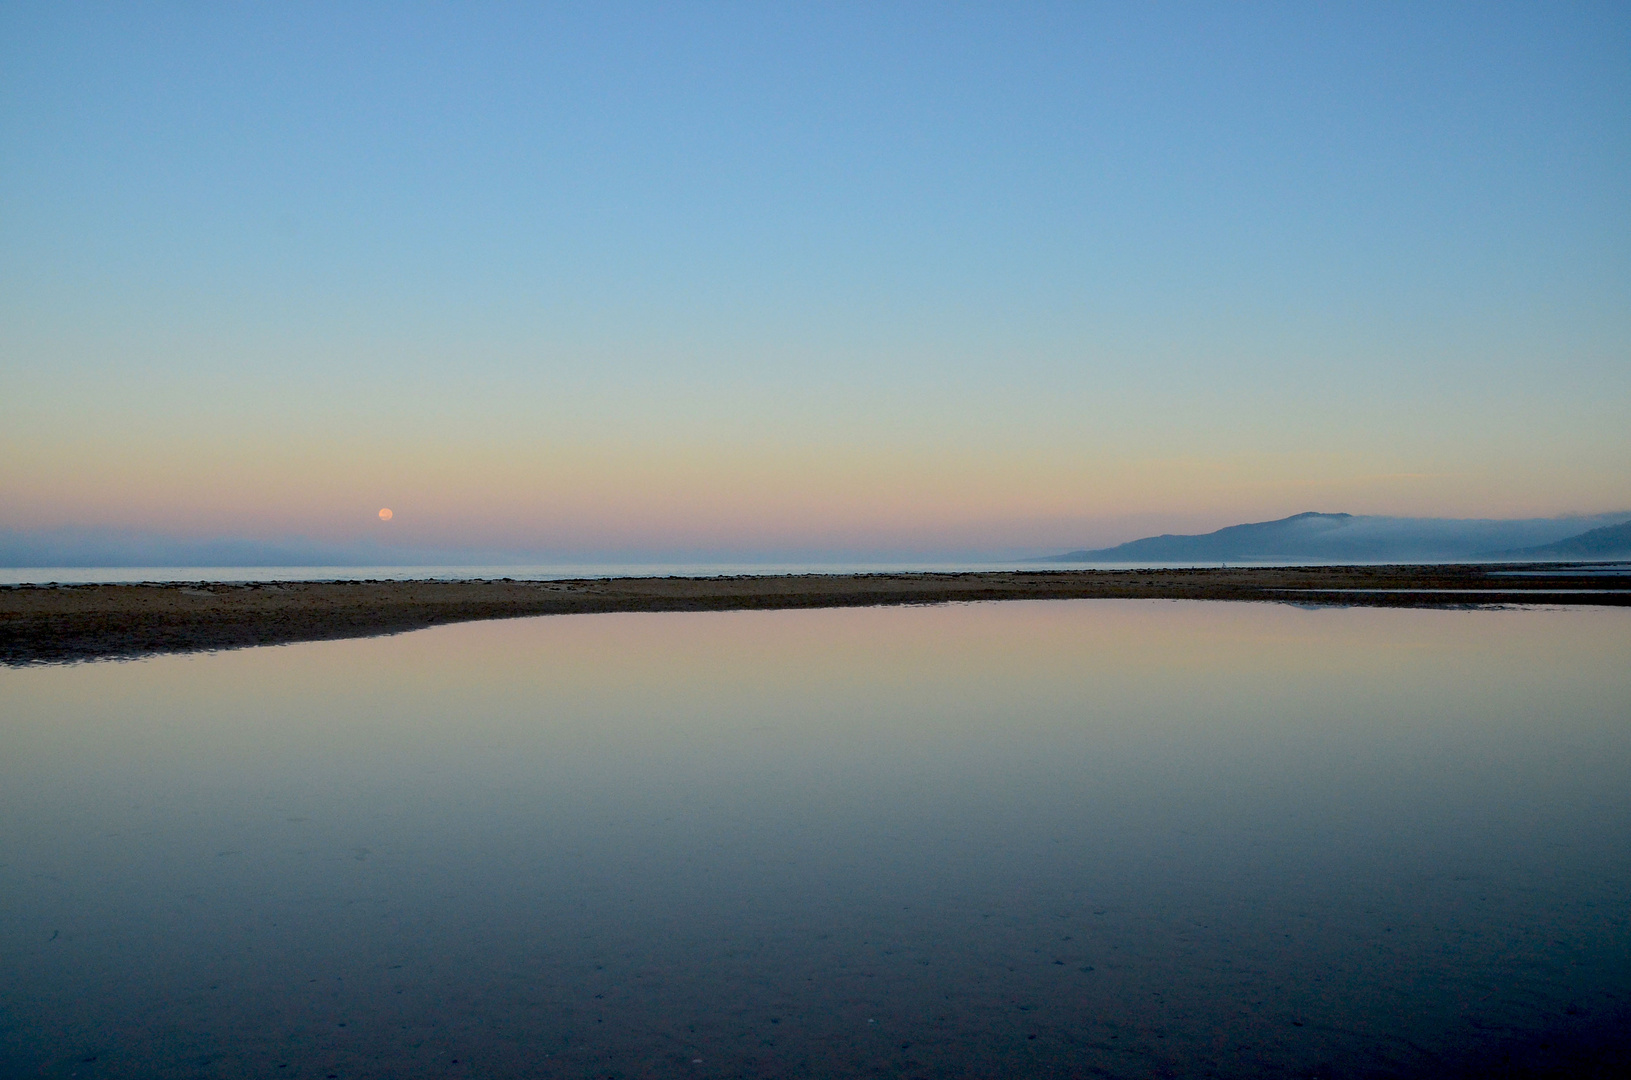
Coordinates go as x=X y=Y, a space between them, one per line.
x=1332 y=538
x=1310 y=538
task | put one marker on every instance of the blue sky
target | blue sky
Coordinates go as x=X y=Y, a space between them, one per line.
x=907 y=278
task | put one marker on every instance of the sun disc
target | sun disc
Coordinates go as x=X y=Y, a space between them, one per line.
x=385 y=514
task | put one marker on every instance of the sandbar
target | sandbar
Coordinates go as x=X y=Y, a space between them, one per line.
x=65 y=623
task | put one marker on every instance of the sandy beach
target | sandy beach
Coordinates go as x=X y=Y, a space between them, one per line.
x=53 y=623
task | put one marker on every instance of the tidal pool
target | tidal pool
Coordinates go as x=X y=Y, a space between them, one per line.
x=1072 y=838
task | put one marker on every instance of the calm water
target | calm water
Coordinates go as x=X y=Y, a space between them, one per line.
x=105 y=575
x=90 y=575
x=1045 y=838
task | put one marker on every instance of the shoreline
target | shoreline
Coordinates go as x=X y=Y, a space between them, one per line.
x=65 y=623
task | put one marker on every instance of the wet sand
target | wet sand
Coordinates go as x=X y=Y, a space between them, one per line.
x=54 y=623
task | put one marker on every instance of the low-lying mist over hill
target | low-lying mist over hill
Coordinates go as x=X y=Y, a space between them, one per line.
x=1318 y=537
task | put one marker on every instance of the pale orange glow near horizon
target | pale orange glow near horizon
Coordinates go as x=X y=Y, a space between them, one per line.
x=918 y=494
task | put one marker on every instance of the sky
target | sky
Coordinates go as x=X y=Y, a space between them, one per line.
x=623 y=280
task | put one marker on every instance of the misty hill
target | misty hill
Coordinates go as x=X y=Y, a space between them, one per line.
x=1608 y=542
x=1318 y=537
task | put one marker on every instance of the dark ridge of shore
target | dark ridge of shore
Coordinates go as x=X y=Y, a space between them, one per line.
x=58 y=623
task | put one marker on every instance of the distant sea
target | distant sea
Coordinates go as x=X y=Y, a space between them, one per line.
x=106 y=575
x=113 y=575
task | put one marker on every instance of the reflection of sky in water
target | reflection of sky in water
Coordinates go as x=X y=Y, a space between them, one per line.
x=967 y=839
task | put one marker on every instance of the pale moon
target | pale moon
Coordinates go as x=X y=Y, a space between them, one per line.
x=385 y=514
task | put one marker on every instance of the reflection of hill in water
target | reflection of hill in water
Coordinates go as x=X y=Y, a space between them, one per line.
x=1344 y=537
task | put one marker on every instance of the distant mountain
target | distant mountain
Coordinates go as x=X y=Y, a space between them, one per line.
x=1608 y=542
x=1318 y=537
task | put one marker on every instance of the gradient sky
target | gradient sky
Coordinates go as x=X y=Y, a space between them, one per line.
x=894 y=279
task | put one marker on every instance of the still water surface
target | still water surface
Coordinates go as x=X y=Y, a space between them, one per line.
x=1038 y=838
